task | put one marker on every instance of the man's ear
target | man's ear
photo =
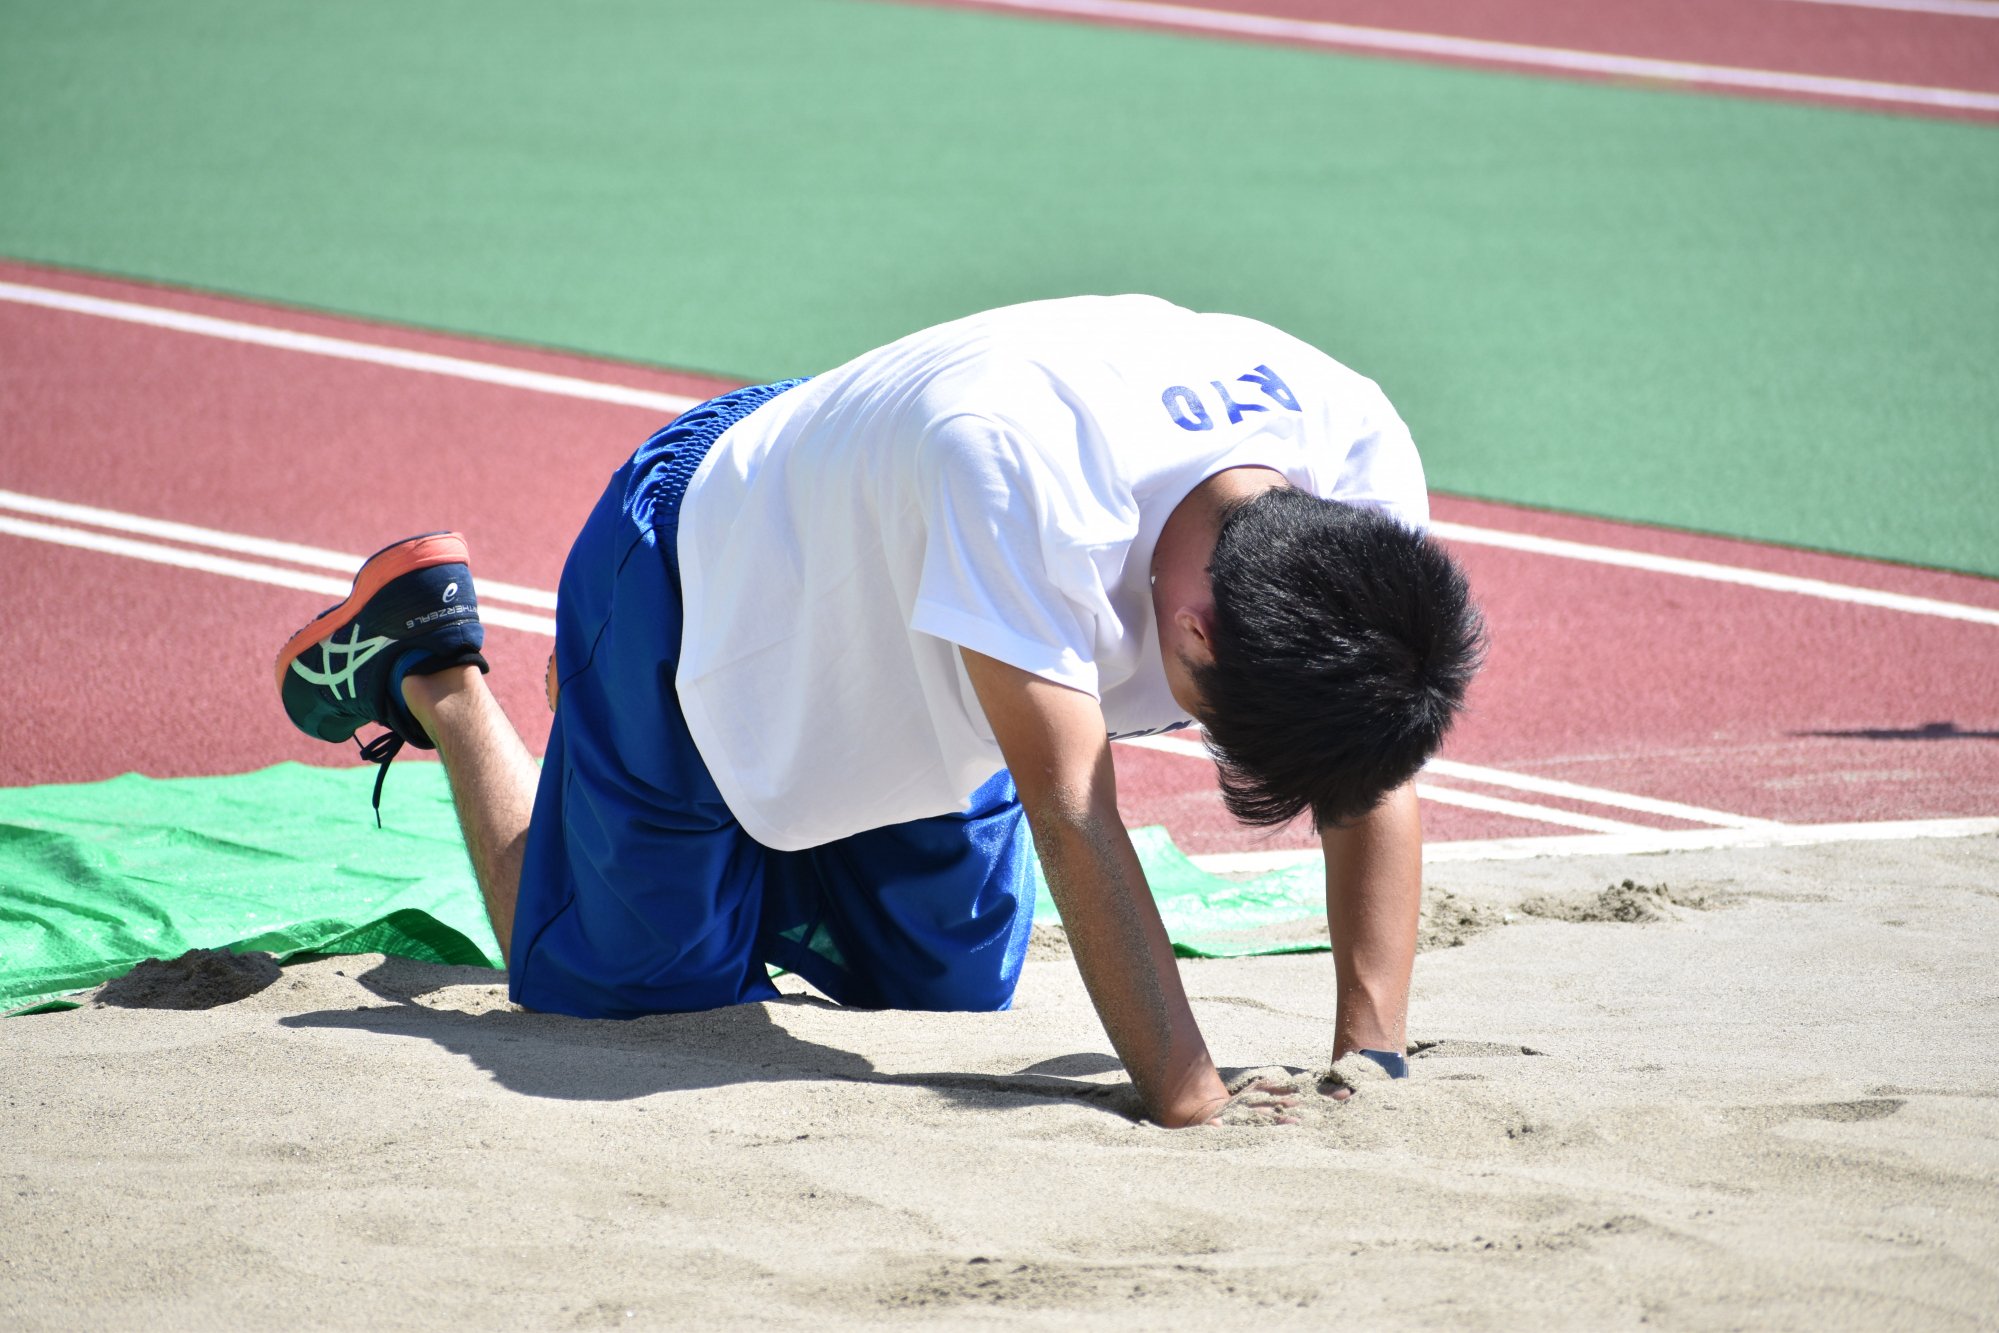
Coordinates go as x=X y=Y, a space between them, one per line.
x=1198 y=625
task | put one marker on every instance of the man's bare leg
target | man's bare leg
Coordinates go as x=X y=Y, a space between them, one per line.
x=493 y=779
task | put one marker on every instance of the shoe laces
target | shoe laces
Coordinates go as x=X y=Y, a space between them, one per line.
x=380 y=751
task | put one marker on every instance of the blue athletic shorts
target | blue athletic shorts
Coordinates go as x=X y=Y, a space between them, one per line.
x=641 y=894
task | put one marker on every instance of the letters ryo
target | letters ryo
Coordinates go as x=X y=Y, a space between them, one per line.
x=1189 y=412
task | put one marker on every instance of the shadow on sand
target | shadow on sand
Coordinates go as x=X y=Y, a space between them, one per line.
x=578 y=1059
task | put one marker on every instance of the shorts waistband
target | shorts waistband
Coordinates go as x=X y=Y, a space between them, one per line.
x=664 y=465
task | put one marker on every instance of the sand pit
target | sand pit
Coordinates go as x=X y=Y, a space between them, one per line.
x=1776 y=1109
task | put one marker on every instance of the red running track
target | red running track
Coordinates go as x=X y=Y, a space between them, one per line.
x=1958 y=51
x=1757 y=703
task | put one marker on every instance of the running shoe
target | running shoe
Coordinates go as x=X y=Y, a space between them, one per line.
x=412 y=612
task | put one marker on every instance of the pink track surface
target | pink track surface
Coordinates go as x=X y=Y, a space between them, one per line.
x=1836 y=41
x=1756 y=703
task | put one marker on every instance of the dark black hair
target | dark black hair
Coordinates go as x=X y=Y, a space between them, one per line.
x=1343 y=644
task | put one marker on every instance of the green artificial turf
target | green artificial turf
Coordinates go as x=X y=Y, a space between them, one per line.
x=1770 y=320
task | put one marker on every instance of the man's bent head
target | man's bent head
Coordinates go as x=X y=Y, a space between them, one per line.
x=1343 y=644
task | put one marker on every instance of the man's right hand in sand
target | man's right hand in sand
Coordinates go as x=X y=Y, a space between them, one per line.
x=1058 y=750
x=1259 y=1098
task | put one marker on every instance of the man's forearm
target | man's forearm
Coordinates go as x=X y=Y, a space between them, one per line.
x=1057 y=749
x=1374 y=890
x=1127 y=963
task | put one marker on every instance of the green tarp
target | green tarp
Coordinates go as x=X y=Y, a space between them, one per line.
x=97 y=877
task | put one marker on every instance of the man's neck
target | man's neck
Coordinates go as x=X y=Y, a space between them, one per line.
x=1188 y=538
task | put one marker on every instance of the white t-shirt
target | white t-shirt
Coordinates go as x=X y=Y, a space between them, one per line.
x=998 y=483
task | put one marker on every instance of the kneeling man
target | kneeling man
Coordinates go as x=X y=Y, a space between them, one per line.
x=828 y=649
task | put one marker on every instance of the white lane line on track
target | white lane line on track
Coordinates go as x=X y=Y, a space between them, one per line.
x=1628 y=844
x=1702 y=569
x=1499 y=777
x=160 y=317
x=1540 y=814
x=1968 y=9
x=1347 y=36
x=316 y=556
x=328 y=586
x=343 y=349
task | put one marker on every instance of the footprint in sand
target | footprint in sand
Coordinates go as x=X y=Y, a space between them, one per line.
x=1839 y=1113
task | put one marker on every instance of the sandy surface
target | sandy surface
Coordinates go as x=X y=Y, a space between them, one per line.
x=1765 y=1095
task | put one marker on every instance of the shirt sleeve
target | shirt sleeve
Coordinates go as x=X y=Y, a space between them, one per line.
x=1011 y=564
x=1382 y=470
